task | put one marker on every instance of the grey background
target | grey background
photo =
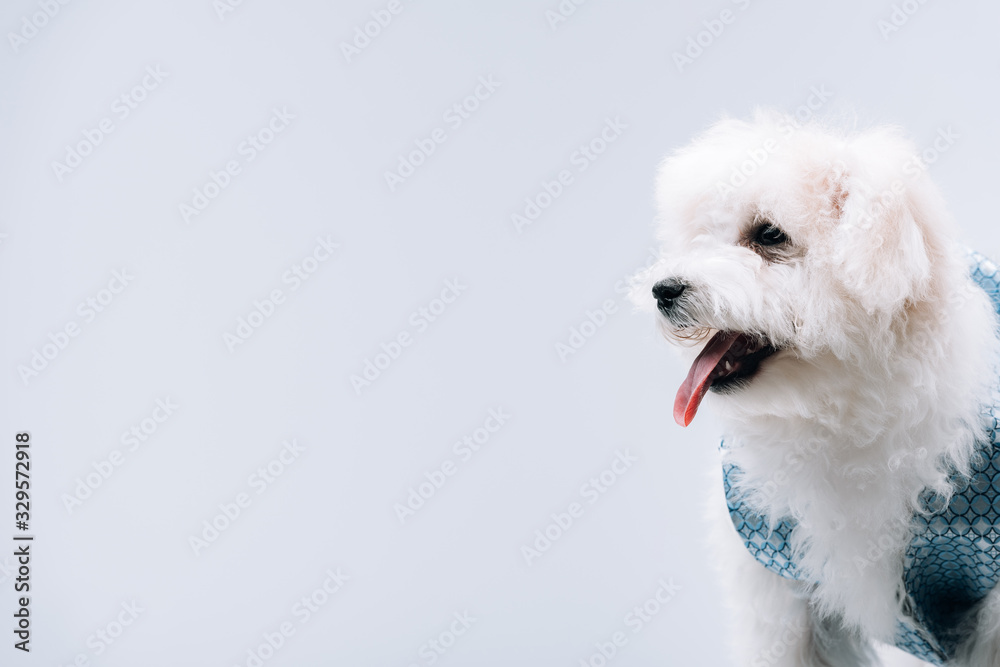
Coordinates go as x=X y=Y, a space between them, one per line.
x=495 y=346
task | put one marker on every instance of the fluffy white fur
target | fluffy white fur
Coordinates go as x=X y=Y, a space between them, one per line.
x=887 y=354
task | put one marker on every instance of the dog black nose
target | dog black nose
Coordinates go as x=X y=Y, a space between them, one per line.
x=667 y=291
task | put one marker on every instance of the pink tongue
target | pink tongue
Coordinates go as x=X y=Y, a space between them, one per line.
x=696 y=384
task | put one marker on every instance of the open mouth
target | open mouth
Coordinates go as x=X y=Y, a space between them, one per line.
x=726 y=364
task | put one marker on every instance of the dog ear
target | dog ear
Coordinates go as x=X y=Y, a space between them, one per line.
x=881 y=248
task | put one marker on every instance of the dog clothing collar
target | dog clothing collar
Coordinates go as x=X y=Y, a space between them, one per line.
x=953 y=560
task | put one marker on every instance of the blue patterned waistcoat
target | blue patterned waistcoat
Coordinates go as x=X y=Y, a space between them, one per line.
x=953 y=560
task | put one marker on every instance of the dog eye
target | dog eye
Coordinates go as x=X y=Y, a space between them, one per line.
x=768 y=235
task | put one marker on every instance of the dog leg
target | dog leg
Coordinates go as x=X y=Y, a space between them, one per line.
x=983 y=646
x=893 y=657
x=775 y=624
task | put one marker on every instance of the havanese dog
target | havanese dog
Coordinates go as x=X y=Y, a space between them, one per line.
x=812 y=279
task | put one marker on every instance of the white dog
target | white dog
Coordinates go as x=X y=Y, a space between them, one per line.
x=812 y=279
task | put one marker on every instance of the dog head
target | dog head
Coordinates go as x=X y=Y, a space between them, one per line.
x=787 y=244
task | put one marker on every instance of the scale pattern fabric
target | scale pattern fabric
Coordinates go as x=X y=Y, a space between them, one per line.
x=953 y=560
